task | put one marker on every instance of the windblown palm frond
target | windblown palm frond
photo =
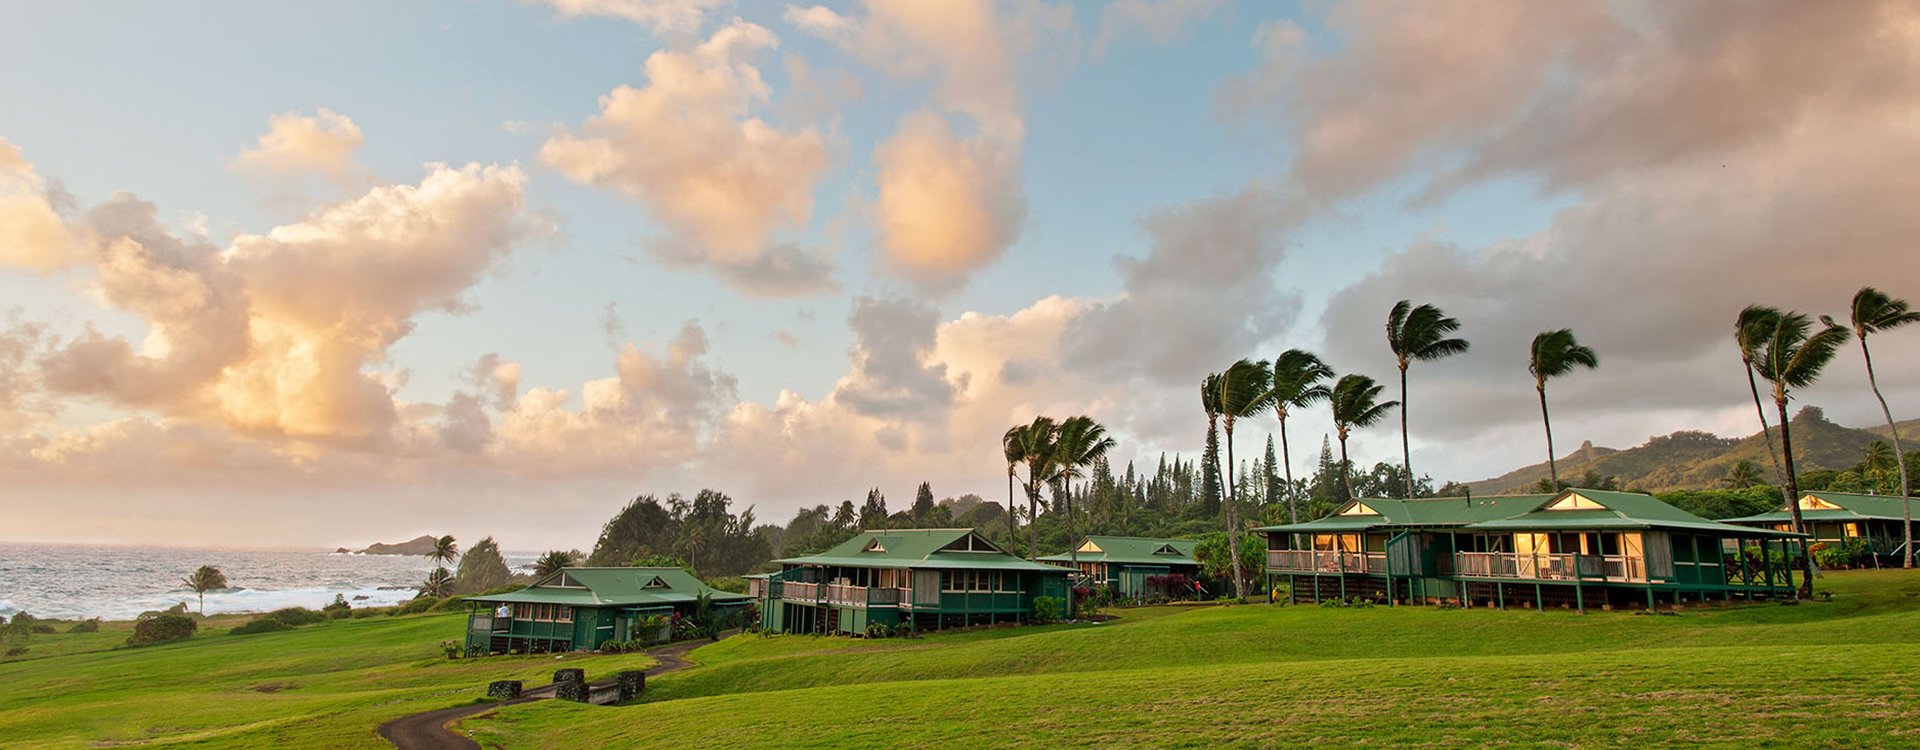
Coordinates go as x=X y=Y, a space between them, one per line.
x=1556 y=353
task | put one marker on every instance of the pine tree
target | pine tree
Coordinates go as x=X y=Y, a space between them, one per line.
x=1210 y=478
x=923 y=504
x=1274 y=492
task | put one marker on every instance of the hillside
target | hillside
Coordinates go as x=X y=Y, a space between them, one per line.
x=1266 y=676
x=1692 y=460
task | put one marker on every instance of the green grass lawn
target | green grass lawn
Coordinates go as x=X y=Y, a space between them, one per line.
x=325 y=685
x=1844 y=673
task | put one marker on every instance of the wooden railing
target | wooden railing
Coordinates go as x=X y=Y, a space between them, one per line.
x=844 y=595
x=1547 y=566
x=1326 y=561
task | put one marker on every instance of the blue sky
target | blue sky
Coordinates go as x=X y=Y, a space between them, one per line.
x=1119 y=122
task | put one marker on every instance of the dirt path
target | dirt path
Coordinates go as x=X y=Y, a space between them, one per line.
x=429 y=730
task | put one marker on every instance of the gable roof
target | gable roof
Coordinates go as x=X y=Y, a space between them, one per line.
x=1833 y=506
x=1132 y=550
x=614 y=587
x=1569 y=510
x=919 y=548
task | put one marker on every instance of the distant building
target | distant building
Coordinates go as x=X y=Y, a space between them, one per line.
x=582 y=608
x=1843 y=517
x=932 y=578
x=1578 y=548
x=1124 y=564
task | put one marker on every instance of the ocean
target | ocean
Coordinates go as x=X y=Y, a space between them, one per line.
x=69 y=581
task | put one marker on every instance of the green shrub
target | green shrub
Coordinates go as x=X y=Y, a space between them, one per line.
x=1046 y=609
x=162 y=628
x=297 y=616
x=450 y=648
x=86 y=626
x=878 y=630
x=418 y=605
x=260 y=625
x=366 y=612
x=450 y=604
x=904 y=630
x=339 y=609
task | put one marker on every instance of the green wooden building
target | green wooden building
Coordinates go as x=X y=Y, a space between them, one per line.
x=933 y=578
x=1124 y=564
x=1579 y=548
x=1841 y=518
x=578 y=609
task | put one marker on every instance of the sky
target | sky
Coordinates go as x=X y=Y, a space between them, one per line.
x=332 y=274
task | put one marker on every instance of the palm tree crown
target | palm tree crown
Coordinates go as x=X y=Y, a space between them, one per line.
x=552 y=562
x=1355 y=401
x=1299 y=380
x=1037 y=441
x=445 y=550
x=439 y=583
x=1418 y=333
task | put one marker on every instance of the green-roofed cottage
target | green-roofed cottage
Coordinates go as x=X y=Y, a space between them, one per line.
x=932 y=578
x=1577 y=548
x=575 y=609
x=1842 y=518
x=1127 y=565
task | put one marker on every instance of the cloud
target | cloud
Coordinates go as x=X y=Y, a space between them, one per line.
x=1203 y=296
x=661 y=16
x=948 y=206
x=1160 y=21
x=275 y=334
x=22 y=403
x=890 y=377
x=730 y=179
x=1408 y=77
x=32 y=233
x=322 y=143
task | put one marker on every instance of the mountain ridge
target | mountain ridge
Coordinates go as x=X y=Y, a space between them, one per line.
x=1696 y=460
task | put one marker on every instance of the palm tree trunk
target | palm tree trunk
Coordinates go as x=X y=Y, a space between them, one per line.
x=1793 y=490
x=1033 y=517
x=1406 y=449
x=1233 y=526
x=1073 y=550
x=1779 y=476
x=1553 y=472
x=1013 y=532
x=1286 y=460
x=1899 y=457
x=203 y=602
x=1346 y=468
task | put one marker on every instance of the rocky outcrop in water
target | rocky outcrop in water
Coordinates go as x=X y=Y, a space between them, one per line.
x=422 y=545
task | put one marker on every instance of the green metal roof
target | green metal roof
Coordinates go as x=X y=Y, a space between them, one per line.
x=919 y=548
x=615 y=587
x=1615 y=510
x=1852 y=507
x=1134 y=550
x=1435 y=511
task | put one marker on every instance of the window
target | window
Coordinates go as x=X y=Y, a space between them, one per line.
x=974 y=581
x=656 y=583
x=1359 y=509
x=873 y=545
x=1575 y=502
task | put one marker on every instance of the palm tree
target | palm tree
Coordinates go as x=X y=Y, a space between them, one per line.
x=1743 y=474
x=1750 y=329
x=1037 y=450
x=1792 y=356
x=1012 y=445
x=207 y=578
x=1355 y=401
x=1873 y=312
x=552 y=562
x=1418 y=333
x=1210 y=402
x=694 y=541
x=1556 y=353
x=1082 y=443
x=1298 y=381
x=1246 y=389
x=439 y=584
x=445 y=551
